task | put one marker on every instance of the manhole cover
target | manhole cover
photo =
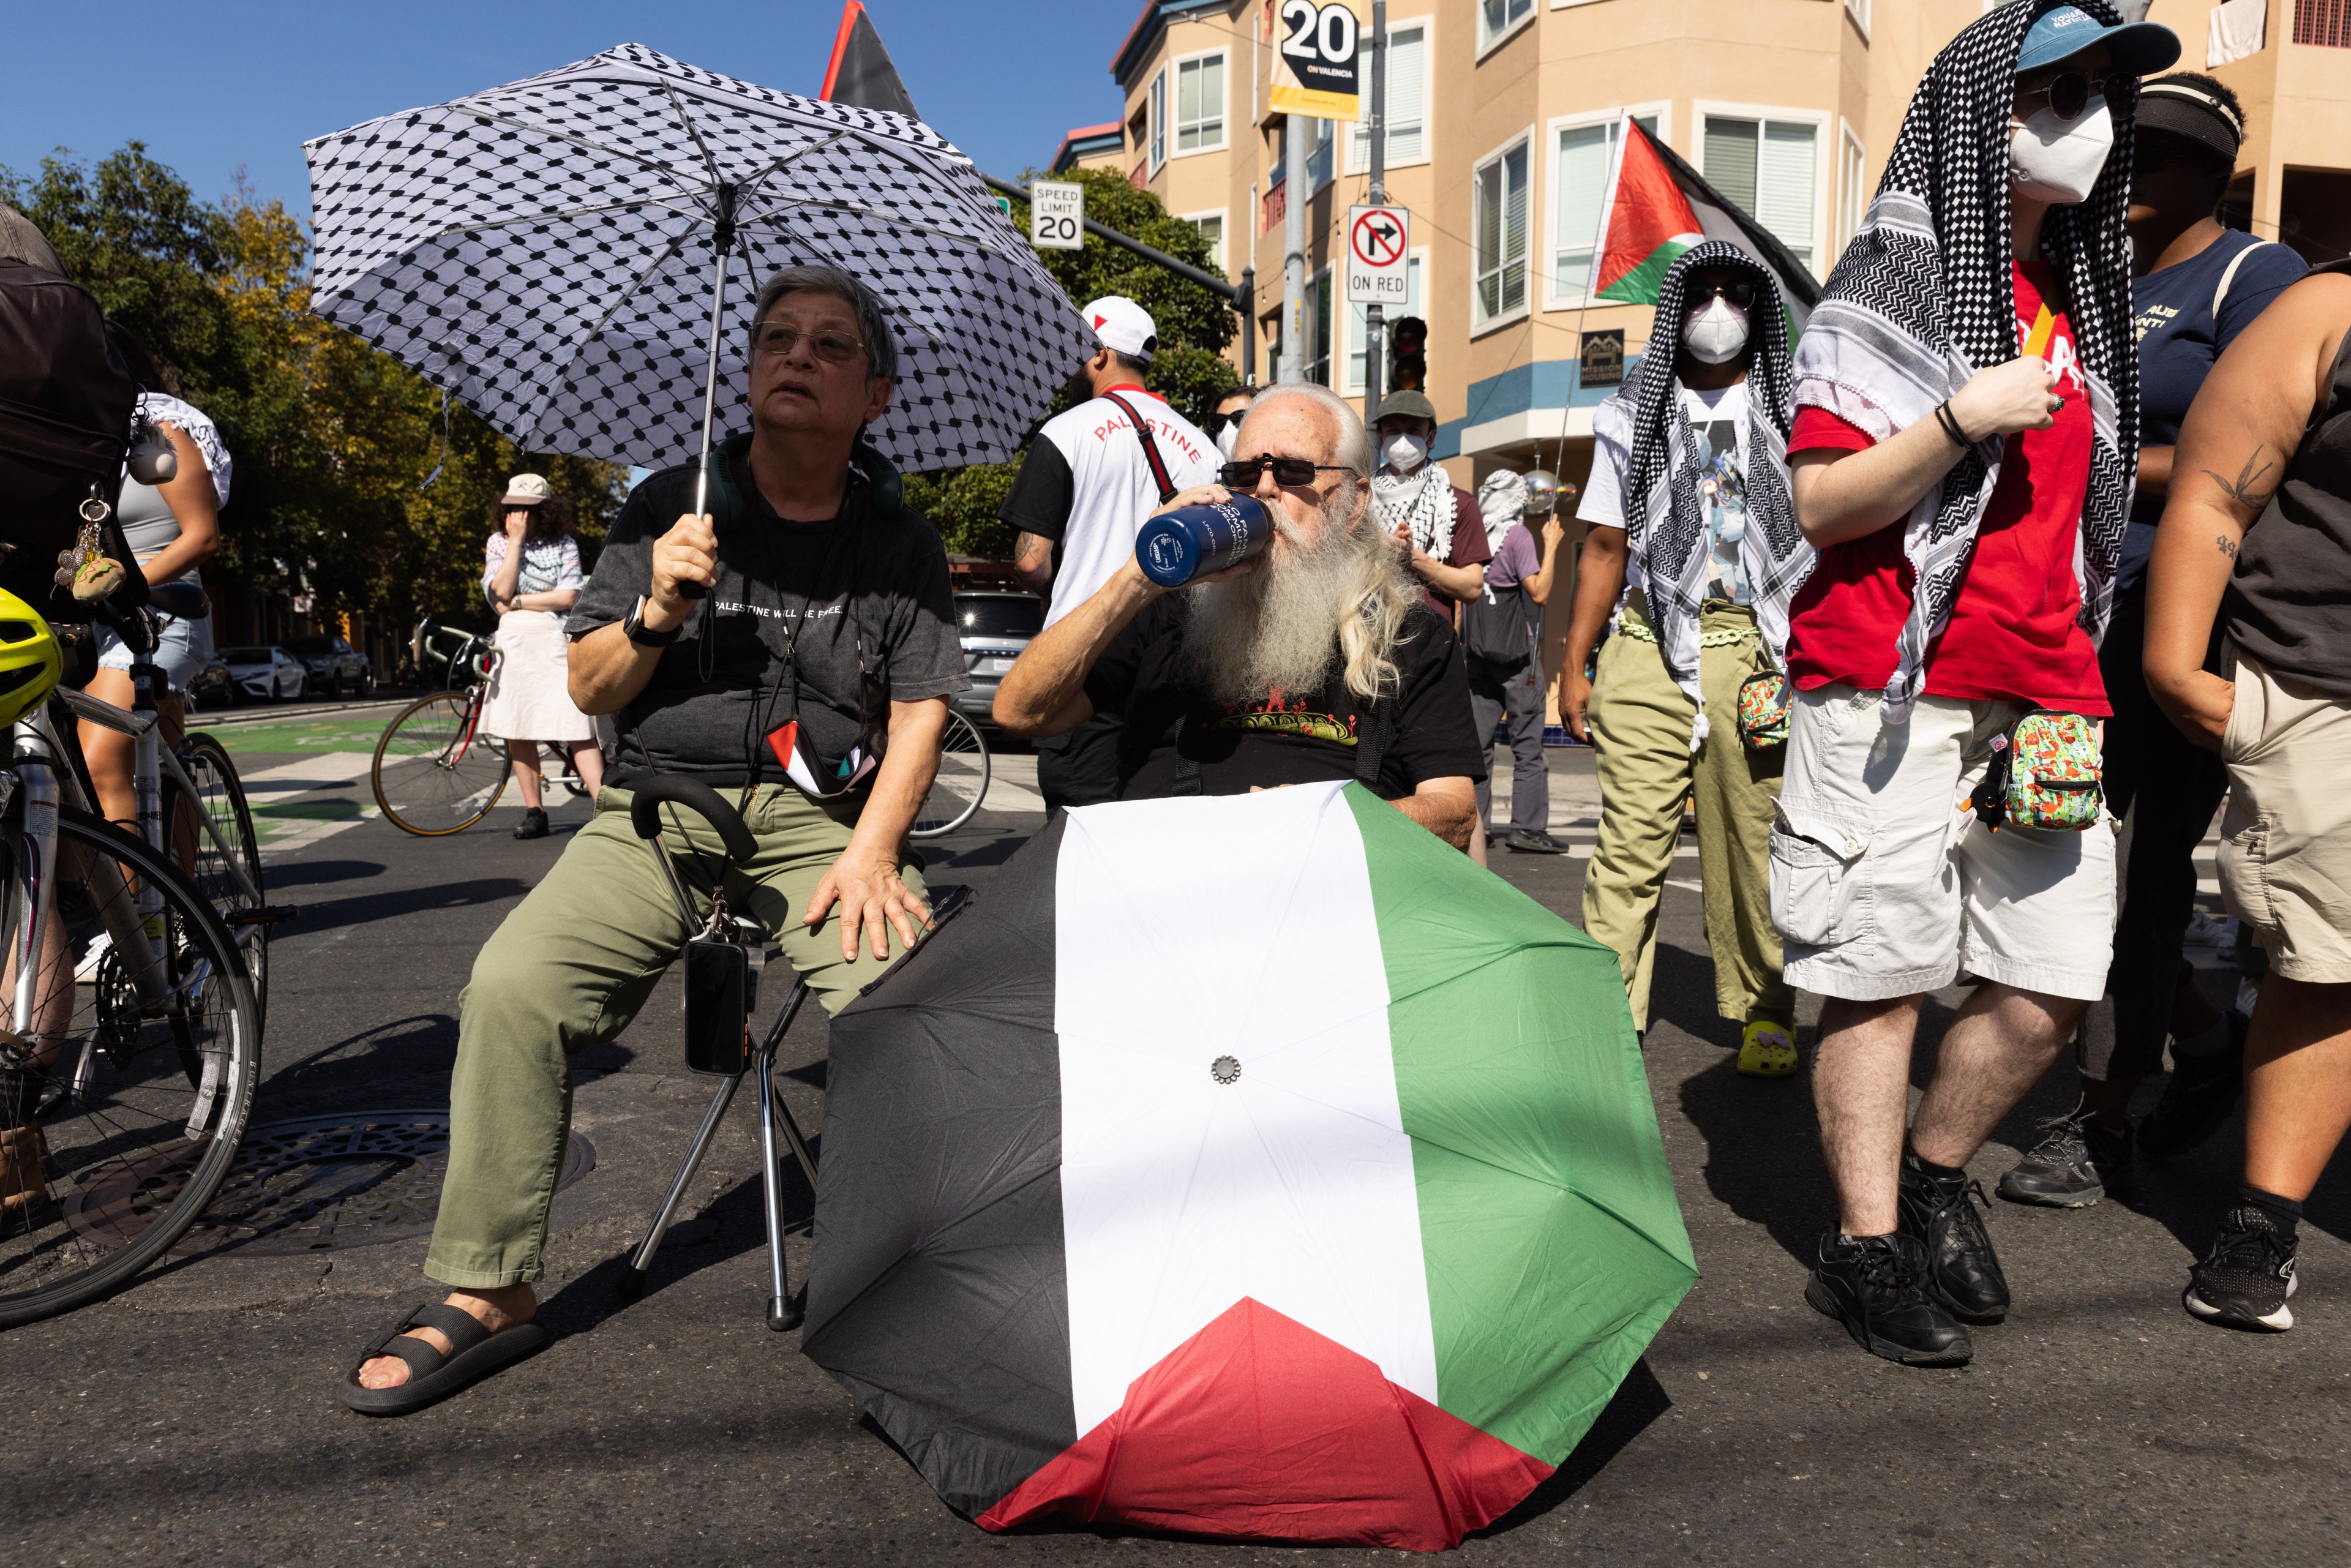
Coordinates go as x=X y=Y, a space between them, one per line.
x=308 y=1184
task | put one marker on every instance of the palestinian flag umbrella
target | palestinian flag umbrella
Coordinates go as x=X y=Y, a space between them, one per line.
x=1657 y=207
x=1250 y=1166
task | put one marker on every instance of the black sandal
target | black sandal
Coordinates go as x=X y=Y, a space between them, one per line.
x=475 y=1354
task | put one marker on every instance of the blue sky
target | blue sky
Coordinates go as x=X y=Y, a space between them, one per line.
x=213 y=88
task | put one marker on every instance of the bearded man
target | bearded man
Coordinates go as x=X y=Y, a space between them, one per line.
x=1317 y=660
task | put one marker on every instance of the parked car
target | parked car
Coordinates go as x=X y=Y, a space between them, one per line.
x=994 y=627
x=270 y=674
x=213 y=686
x=333 y=666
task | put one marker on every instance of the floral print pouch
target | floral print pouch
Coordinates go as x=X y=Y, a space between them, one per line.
x=1764 y=706
x=2044 y=774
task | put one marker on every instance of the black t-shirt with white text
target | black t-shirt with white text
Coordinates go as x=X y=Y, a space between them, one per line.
x=1284 y=737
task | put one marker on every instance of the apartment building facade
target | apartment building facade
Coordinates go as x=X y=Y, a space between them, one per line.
x=1501 y=115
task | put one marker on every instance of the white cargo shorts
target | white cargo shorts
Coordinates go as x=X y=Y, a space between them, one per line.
x=1883 y=883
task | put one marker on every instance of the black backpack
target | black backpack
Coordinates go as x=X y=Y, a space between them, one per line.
x=66 y=406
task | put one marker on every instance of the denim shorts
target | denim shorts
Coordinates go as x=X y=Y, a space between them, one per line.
x=182 y=649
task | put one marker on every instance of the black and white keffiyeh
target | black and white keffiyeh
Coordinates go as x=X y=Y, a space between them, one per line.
x=1665 y=513
x=1923 y=298
x=1425 y=499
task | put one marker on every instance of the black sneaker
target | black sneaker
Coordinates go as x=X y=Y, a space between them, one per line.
x=1533 y=842
x=1960 y=1267
x=1876 y=1286
x=2078 y=1162
x=533 y=824
x=2202 y=1092
x=2245 y=1282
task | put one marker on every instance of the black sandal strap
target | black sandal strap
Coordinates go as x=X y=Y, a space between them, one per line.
x=464 y=1330
x=406 y=1321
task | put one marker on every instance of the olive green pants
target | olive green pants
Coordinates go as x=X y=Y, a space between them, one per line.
x=1641 y=728
x=570 y=967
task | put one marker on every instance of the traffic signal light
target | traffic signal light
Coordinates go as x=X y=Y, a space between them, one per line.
x=1407 y=355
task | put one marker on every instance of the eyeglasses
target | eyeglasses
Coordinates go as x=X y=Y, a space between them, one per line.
x=1740 y=294
x=832 y=346
x=2070 y=93
x=1243 y=475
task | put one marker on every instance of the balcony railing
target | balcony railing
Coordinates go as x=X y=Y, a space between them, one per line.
x=2326 y=23
x=1276 y=206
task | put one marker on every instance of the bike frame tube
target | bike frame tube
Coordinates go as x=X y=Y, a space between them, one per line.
x=106 y=716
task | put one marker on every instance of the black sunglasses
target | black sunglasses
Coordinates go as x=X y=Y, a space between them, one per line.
x=1740 y=294
x=1243 y=475
x=2070 y=93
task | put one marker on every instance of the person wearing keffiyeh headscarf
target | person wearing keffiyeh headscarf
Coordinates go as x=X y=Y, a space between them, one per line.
x=1967 y=417
x=1695 y=552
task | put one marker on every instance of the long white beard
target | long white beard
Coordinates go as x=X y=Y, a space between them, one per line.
x=1276 y=628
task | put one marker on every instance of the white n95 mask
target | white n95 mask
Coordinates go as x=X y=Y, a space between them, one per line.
x=1227 y=437
x=2058 y=161
x=1406 y=453
x=1716 y=332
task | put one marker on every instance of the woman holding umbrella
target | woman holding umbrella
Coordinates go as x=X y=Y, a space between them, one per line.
x=531 y=574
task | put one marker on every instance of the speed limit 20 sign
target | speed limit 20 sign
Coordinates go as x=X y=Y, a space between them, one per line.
x=1379 y=245
x=1314 y=68
x=1057 y=216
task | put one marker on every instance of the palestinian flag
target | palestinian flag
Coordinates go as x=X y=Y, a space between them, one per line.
x=1253 y=1167
x=1657 y=207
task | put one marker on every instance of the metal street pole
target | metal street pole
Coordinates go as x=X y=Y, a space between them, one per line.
x=1374 y=323
x=1296 y=130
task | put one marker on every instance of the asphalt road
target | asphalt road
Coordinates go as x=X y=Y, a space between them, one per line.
x=188 y=1420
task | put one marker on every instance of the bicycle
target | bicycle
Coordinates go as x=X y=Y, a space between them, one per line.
x=961 y=784
x=128 y=1070
x=435 y=773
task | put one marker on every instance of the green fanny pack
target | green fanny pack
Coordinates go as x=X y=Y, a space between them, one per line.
x=2044 y=774
x=1766 y=703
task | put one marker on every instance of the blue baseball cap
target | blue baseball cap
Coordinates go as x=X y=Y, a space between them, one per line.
x=2137 y=48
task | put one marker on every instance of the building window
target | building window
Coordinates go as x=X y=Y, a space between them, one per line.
x=1211 y=226
x=1200 y=104
x=1359 y=326
x=1497 y=19
x=1320 y=145
x=1583 y=155
x=1853 y=189
x=1499 y=195
x=1770 y=167
x=1407 y=105
x=2326 y=23
x=1158 y=120
x=1318 y=327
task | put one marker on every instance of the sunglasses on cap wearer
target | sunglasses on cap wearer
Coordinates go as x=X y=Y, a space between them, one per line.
x=1293 y=471
x=2070 y=92
x=1740 y=294
x=829 y=344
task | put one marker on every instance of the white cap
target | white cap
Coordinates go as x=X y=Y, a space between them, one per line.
x=525 y=490
x=1124 y=326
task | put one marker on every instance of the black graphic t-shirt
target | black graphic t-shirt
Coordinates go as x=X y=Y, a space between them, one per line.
x=1283 y=737
x=869 y=584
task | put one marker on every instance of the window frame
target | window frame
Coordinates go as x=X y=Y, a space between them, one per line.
x=1853 y=201
x=1224 y=98
x=1224 y=217
x=1319 y=303
x=1857 y=13
x=1824 y=169
x=1359 y=159
x=1489 y=42
x=1662 y=109
x=1523 y=138
x=1418 y=255
x=1156 y=119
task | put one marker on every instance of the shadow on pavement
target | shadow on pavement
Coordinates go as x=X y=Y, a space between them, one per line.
x=311 y=874
x=1640 y=1400
x=370 y=908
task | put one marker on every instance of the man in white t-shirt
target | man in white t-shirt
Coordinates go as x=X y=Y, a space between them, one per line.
x=1683 y=459
x=1093 y=476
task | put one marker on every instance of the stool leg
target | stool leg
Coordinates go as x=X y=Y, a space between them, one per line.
x=631 y=1283
x=781 y=1314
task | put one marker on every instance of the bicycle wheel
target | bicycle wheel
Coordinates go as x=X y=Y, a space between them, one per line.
x=219 y=816
x=129 y=1096
x=961 y=784
x=435 y=773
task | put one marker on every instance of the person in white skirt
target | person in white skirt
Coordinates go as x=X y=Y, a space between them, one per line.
x=531 y=573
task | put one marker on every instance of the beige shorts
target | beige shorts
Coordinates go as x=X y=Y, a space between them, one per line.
x=1884 y=885
x=2285 y=839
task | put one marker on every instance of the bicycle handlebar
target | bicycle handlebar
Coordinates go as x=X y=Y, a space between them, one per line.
x=694 y=795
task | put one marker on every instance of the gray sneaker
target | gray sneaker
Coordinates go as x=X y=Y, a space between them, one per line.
x=1533 y=842
x=2076 y=1164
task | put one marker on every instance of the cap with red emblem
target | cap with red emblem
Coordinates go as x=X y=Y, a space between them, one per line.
x=1124 y=326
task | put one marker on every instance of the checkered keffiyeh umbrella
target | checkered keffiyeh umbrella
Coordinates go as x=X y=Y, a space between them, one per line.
x=548 y=252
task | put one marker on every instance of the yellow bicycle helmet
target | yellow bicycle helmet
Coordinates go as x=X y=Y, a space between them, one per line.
x=29 y=661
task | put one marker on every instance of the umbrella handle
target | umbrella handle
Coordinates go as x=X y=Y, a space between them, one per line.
x=724 y=238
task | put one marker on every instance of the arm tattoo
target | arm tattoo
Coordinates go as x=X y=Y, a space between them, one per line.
x=2246 y=489
x=2228 y=546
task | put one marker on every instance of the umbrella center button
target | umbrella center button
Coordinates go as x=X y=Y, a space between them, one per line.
x=1225 y=1070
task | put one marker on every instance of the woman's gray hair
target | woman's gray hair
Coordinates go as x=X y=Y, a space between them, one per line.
x=872 y=322
x=1352 y=445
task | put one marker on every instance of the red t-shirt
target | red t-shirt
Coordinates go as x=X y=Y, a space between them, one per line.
x=2012 y=635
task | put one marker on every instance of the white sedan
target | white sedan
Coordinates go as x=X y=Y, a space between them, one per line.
x=269 y=674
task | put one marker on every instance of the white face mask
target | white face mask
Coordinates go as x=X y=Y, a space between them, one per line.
x=2058 y=161
x=1715 y=331
x=1406 y=453
x=1226 y=437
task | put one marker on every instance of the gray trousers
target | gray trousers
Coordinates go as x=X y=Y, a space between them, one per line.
x=1514 y=692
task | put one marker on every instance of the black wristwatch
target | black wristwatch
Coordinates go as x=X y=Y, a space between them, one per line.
x=633 y=628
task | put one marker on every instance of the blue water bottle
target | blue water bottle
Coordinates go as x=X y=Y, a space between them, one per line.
x=1194 y=541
